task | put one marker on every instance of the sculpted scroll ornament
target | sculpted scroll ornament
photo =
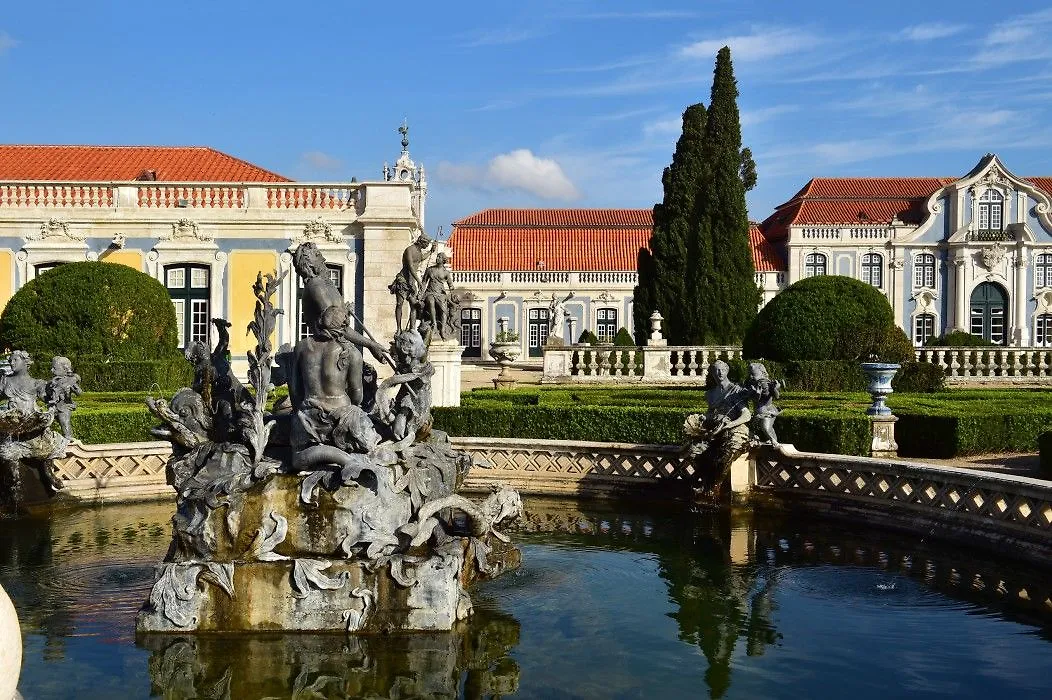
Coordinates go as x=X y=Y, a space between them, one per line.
x=992 y=255
x=187 y=228
x=54 y=228
x=317 y=229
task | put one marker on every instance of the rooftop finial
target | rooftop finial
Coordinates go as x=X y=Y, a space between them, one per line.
x=404 y=131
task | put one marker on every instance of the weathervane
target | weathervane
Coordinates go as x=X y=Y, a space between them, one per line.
x=404 y=131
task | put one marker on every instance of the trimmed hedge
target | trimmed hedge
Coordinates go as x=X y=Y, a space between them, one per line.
x=91 y=310
x=144 y=375
x=119 y=424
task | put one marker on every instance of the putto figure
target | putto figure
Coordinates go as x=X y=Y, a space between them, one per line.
x=60 y=392
x=407 y=284
x=764 y=391
x=721 y=435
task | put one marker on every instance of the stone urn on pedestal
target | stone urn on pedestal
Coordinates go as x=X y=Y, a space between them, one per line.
x=505 y=350
x=880 y=375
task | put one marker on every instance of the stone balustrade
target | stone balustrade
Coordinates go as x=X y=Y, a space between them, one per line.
x=612 y=363
x=993 y=365
x=542 y=278
x=178 y=195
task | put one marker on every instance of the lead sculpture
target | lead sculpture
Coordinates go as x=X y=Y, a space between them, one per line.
x=335 y=510
x=728 y=428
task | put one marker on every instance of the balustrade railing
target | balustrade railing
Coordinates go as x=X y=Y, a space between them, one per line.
x=997 y=365
x=163 y=196
x=476 y=277
x=608 y=277
x=55 y=195
x=604 y=363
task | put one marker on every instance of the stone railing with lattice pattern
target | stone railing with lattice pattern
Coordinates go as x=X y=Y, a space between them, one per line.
x=126 y=471
x=968 y=505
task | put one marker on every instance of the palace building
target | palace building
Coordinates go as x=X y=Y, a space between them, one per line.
x=204 y=223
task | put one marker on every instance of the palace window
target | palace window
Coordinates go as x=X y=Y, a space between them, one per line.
x=1043 y=270
x=873 y=269
x=991 y=209
x=924 y=271
x=189 y=287
x=814 y=265
x=923 y=328
x=40 y=269
x=335 y=276
x=606 y=325
x=1043 y=330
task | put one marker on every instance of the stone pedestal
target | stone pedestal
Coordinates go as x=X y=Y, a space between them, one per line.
x=445 y=356
x=883 y=444
x=743 y=473
x=657 y=365
x=10 y=648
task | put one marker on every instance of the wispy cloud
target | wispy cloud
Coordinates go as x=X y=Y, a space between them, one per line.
x=316 y=160
x=752 y=117
x=516 y=170
x=672 y=124
x=7 y=42
x=642 y=15
x=604 y=67
x=1018 y=39
x=498 y=37
x=762 y=43
x=931 y=31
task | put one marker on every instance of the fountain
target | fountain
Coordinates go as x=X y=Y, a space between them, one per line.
x=337 y=509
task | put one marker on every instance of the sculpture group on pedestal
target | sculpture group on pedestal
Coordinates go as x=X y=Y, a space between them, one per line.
x=27 y=439
x=726 y=430
x=431 y=299
x=337 y=507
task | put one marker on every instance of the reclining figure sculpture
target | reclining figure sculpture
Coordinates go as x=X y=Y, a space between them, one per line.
x=334 y=510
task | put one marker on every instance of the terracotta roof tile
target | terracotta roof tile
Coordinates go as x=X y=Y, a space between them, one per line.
x=127 y=163
x=766 y=255
x=872 y=187
x=561 y=218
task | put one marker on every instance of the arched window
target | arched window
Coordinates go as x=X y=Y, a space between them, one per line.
x=923 y=328
x=924 y=271
x=335 y=276
x=606 y=325
x=41 y=268
x=189 y=287
x=991 y=210
x=814 y=265
x=1043 y=270
x=1043 y=330
x=989 y=316
x=873 y=269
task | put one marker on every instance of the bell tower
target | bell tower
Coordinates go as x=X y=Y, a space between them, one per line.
x=405 y=170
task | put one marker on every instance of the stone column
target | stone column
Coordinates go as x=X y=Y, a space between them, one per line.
x=445 y=384
x=1021 y=322
x=10 y=648
x=960 y=320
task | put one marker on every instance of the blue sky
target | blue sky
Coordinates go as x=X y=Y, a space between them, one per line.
x=538 y=103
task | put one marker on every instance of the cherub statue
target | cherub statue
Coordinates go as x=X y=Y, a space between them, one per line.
x=410 y=412
x=764 y=390
x=19 y=389
x=721 y=434
x=60 y=392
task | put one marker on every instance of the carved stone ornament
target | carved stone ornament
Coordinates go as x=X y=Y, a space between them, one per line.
x=187 y=229
x=925 y=301
x=605 y=296
x=898 y=264
x=1021 y=260
x=54 y=228
x=994 y=176
x=1044 y=300
x=318 y=229
x=992 y=255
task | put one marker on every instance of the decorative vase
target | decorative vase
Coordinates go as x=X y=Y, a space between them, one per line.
x=504 y=353
x=10 y=648
x=880 y=375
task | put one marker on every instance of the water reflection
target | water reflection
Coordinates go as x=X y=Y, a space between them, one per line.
x=472 y=662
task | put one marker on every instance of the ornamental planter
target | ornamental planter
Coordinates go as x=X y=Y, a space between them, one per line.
x=880 y=375
x=504 y=353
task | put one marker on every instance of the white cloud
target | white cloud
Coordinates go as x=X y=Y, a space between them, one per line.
x=320 y=161
x=660 y=127
x=499 y=37
x=931 y=31
x=752 y=117
x=763 y=43
x=7 y=42
x=516 y=170
x=646 y=14
x=1021 y=38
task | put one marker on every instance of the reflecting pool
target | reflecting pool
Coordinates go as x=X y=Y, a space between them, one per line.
x=638 y=601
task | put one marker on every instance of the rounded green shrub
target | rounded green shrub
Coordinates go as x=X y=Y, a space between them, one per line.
x=91 y=311
x=624 y=338
x=827 y=318
x=957 y=339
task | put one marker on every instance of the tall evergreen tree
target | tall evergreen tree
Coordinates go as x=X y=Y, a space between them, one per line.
x=721 y=293
x=662 y=270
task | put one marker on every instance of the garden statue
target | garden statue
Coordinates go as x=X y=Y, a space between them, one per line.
x=335 y=510
x=26 y=437
x=407 y=285
x=437 y=286
x=557 y=316
x=764 y=391
x=721 y=435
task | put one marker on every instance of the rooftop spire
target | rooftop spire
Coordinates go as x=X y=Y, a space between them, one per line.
x=404 y=131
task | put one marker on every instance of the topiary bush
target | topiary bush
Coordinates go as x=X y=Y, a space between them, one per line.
x=957 y=339
x=826 y=318
x=91 y=311
x=624 y=338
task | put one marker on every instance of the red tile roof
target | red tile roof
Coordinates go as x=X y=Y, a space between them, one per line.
x=872 y=187
x=766 y=256
x=561 y=218
x=568 y=240
x=127 y=163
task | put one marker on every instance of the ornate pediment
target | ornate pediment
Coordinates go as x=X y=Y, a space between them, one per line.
x=925 y=301
x=187 y=229
x=55 y=228
x=992 y=255
x=318 y=229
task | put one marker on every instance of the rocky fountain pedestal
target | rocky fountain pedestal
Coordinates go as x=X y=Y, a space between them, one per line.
x=338 y=509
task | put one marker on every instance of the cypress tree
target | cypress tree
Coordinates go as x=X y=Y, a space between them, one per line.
x=662 y=270
x=721 y=293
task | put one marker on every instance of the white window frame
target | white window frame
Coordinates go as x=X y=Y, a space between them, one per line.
x=921 y=269
x=1042 y=270
x=870 y=264
x=811 y=260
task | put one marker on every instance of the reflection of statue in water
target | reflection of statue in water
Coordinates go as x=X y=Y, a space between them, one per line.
x=721 y=435
x=438 y=283
x=26 y=436
x=406 y=285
